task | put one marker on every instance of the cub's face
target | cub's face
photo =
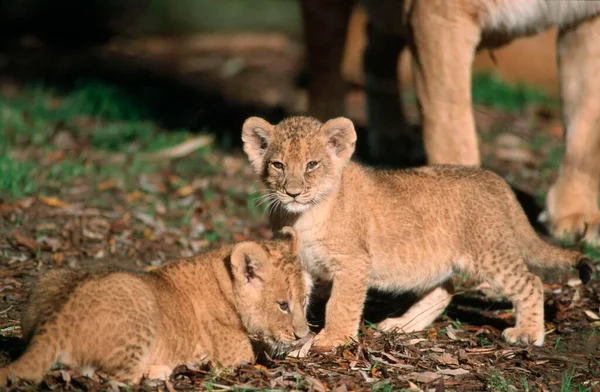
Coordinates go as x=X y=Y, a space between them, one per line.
x=300 y=159
x=270 y=288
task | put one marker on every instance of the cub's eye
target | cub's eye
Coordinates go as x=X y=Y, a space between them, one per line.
x=277 y=165
x=312 y=165
x=283 y=306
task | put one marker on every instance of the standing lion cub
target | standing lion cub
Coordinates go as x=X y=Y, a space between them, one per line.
x=143 y=325
x=406 y=230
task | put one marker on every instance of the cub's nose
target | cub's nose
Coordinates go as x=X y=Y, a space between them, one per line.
x=293 y=192
x=301 y=332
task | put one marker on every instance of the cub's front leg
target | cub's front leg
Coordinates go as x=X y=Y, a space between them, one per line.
x=345 y=306
x=232 y=347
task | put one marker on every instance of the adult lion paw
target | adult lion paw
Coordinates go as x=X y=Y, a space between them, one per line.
x=577 y=227
x=518 y=335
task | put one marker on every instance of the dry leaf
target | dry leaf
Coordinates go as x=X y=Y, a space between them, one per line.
x=150 y=268
x=591 y=315
x=52 y=244
x=520 y=155
x=25 y=203
x=413 y=387
x=65 y=375
x=181 y=150
x=151 y=184
x=133 y=196
x=92 y=235
x=347 y=354
x=25 y=241
x=169 y=386
x=425 y=377
x=184 y=191
x=509 y=140
x=454 y=372
x=440 y=387
x=445 y=359
x=302 y=351
x=58 y=258
x=316 y=384
x=451 y=332
x=53 y=202
x=574 y=282
x=109 y=184
x=46 y=227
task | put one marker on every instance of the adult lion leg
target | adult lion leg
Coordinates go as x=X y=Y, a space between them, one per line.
x=444 y=39
x=572 y=200
x=388 y=130
x=421 y=314
x=325 y=25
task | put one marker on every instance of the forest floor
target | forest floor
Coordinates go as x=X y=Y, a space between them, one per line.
x=88 y=178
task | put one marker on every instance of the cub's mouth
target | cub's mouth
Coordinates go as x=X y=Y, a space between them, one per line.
x=296 y=206
x=284 y=347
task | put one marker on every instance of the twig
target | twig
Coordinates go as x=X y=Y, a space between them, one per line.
x=6 y=310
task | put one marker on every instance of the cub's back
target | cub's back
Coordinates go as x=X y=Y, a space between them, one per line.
x=443 y=196
x=65 y=290
x=451 y=184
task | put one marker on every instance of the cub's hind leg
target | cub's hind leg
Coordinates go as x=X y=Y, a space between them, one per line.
x=510 y=276
x=422 y=313
x=38 y=358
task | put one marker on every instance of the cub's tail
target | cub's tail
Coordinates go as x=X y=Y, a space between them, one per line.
x=37 y=359
x=540 y=254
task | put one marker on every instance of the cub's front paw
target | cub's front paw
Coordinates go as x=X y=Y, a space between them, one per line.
x=325 y=341
x=526 y=335
x=158 y=372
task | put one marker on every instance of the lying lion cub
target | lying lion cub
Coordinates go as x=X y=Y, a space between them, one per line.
x=191 y=310
x=404 y=230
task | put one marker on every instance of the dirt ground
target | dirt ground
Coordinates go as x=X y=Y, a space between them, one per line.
x=107 y=206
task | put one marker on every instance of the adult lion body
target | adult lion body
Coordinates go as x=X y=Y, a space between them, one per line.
x=443 y=36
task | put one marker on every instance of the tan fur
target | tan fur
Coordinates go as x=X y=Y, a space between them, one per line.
x=398 y=231
x=201 y=309
x=443 y=36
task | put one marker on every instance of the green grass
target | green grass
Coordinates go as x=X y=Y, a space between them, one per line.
x=104 y=100
x=558 y=346
x=15 y=177
x=119 y=135
x=382 y=386
x=488 y=89
x=68 y=169
x=102 y=116
x=497 y=383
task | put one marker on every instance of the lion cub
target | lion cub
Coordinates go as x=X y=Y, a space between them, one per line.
x=199 y=309
x=398 y=230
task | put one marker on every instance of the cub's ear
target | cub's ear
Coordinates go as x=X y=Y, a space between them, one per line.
x=291 y=235
x=256 y=135
x=341 y=137
x=249 y=262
